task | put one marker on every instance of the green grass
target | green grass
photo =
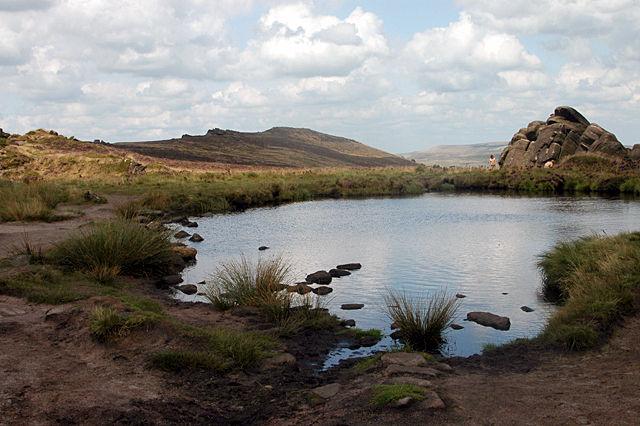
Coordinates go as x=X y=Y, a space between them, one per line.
x=47 y=285
x=422 y=321
x=386 y=394
x=366 y=364
x=106 y=323
x=119 y=246
x=596 y=280
x=217 y=350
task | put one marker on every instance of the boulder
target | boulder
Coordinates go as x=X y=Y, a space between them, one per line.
x=188 y=288
x=181 y=234
x=196 y=238
x=488 y=319
x=319 y=277
x=337 y=273
x=351 y=306
x=322 y=290
x=349 y=266
x=327 y=391
x=403 y=358
x=566 y=132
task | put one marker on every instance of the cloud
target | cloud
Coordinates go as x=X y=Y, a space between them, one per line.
x=465 y=56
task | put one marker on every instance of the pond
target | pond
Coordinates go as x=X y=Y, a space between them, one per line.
x=483 y=246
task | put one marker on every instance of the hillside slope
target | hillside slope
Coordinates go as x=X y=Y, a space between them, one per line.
x=471 y=155
x=276 y=147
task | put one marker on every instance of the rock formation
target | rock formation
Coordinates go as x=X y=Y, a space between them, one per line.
x=566 y=132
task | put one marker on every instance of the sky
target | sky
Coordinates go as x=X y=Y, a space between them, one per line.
x=399 y=75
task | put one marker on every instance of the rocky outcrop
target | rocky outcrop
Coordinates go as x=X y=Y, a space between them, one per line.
x=566 y=132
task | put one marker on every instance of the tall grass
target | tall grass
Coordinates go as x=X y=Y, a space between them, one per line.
x=106 y=323
x=117 y=246
x=422 y=321
x=30 y=201
x=597 y=280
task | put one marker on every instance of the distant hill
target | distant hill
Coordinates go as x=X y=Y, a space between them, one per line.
x=471 y=155
x=276 y=147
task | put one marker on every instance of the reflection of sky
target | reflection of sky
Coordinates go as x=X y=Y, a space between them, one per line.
x=479 y=245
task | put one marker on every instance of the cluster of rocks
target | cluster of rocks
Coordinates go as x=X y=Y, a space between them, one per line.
x=322 y=279
x=566 y=132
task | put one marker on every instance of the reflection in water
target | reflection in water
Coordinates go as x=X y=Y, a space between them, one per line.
x=479 y=245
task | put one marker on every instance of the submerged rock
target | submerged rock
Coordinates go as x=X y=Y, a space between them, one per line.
x=527 y=309
x=488 y=319
x=455 y=326
x=351 y=306
x=348 y=323
x=188 y=288
x=263 y=248
x=337 y=273
x=460 y=296
x=196 y=238
x=322 y=290
x=319 y=277
x=349 y=266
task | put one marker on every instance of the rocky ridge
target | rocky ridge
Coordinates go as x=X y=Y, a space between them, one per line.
x=566 y=132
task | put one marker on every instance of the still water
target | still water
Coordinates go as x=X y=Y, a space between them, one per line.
x=478 y=245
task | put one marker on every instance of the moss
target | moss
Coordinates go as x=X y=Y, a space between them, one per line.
x=386 y=394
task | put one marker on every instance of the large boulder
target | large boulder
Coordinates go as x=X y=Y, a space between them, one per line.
x=566 y=132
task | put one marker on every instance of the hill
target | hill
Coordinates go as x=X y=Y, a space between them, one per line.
x=276 y=147
x=458 y=155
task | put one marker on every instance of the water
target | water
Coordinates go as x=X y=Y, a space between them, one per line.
x=478 y=245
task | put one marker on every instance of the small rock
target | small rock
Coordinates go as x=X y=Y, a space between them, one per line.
x=280 y=360
x=186 y=253
x=349 y=266
x=488 y=319
x=337 y=273
x=351 y=306
x=403 y=358
x=432 y=401
x=196 y=238
x=327 y=391
x=191 y=225
x=322 y=290
x=171 y=280
x=527 y=309
x=460 y=296
x=409 y=380
x=319 y=277
x=456 y=326
x=348 y=323
x=402 y=402
x=188 y=289
x=504 y=294
x=395 y=369
x=263 y=248
x=181 y=234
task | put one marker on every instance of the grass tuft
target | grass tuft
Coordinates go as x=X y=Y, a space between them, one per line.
x=422 y=322
x=106 y=323
x=386 y=394
x=119 y=244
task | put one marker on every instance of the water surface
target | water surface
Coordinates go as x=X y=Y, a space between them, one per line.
x=478 y=245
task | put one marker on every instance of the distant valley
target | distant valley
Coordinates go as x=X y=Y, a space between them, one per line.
x=471 y=155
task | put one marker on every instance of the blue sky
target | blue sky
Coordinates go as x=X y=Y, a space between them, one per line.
x=401 y=75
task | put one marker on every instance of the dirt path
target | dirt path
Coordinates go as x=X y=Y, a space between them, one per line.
x=42 y=234
x=599 y=387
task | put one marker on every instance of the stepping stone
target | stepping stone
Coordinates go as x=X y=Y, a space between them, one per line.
x=527 y=309
x=188 y=289
x=263 y=248
x=337 y=273
x=352 y=306
x=456 y=326
x=319 y=277
x=403 y=358
x=460 y=296
x=327 y=391
x=196 y=238
x=349 y=266
x=409 y=380
x=395 y=369
x=322 y=290
x=488 y=319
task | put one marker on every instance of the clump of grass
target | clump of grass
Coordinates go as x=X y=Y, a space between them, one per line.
x=218 y=350
x=46 y=285
x=422 y=322
x=360 y=333
x=107 y=246
x=129 y=211
x=107 y=323
x=30 y=201
x=386 y=394
x=368 y=363
x=596 y=279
